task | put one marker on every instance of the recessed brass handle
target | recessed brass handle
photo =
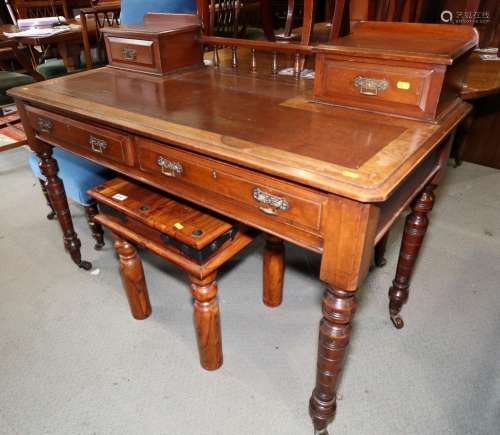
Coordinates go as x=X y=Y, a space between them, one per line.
x=370 y=87
x=97 y=145
x=268 y=210
x=169 y=168
x=270 y=203
x=44 y=125
x=129 y=53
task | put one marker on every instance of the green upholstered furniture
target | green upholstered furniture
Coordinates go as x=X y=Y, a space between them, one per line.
x=11 y=80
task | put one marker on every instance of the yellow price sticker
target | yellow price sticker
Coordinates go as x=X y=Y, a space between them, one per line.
x=350 y=174
x=403 y=85
x=178 y=226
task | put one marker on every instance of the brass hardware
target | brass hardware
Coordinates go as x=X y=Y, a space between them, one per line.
x=275 y=202
x=169 y=168
x=129 y=53
x=214 y=173
x=369 y=86
x=97 y=145
x=144 y=208
x=268 y=210
x=44 y=125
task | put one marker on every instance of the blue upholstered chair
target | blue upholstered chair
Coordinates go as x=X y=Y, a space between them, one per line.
x=78 y=175
x=133 y=11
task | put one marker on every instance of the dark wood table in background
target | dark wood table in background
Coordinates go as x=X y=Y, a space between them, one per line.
x=69 y=44
x=254 y=148
x=477 y=141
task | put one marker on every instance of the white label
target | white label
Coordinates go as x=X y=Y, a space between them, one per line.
x=119 y=197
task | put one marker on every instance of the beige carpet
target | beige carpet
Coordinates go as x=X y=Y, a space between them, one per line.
x=73 y=361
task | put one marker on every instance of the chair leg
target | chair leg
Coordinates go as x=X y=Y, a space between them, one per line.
x=96 y=228
x=274 y=268
x=52 y=214
x=379 y=258
x=207 y=321
x=133 y=279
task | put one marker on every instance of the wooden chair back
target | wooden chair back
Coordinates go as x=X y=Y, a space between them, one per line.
x=338 y=11
x=223 y=17
x=92 y=20
x=41 y=8
x=398 y=10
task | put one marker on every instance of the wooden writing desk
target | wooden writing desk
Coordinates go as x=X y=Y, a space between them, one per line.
x=68 y=43
x=254 y=148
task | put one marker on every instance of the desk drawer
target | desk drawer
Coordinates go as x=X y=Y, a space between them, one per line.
x=68 y=133
x=371 y=86
x=267 y=196
x=136 y=52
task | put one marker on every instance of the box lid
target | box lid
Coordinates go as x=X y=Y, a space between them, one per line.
x=157 y=24
x=412 y=42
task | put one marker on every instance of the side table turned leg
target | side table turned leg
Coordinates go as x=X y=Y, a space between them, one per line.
x=133 y=279
x=96 y=228
x=59 y=202
x=52 y=214
x=413 y=236
x=207 y=321
x=274 y=268
x=339 y=307
x=379 y=258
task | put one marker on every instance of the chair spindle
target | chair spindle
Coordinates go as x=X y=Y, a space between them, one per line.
x=275 y=63
x=216 y=60
x=253 y=63
x=234 y=59
x=297 y=65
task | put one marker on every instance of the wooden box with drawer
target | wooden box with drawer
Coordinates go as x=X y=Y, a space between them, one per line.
x=163 y=43
x=403 y=69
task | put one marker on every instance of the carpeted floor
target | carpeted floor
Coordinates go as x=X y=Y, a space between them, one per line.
x=73 y=361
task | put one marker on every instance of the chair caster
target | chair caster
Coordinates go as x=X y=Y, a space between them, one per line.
x=85 y=265
x=323 y=431
x=397 y=321
x=98 y=246
x=51 y=216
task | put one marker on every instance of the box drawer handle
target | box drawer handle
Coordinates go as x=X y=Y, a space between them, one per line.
x=44 y=125
x=129 y=53
x=271 y=203
x=97 y=145
x=169 y=168
x=371 y=87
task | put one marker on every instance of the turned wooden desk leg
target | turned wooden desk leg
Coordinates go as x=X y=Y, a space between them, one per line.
x=52 y=213
x=96 y=228
x=413 y=236
x=57 y=196
x=379 y=257
x=274 y=268
x=207 y=321
x=133 y=279
x=334 y=334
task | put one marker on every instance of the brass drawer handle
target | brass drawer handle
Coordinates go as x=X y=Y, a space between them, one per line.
x=97 y=145
x=271 y=203
x=129 y=53
x=169 y=168
x=369 y=86
x=44 y=125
